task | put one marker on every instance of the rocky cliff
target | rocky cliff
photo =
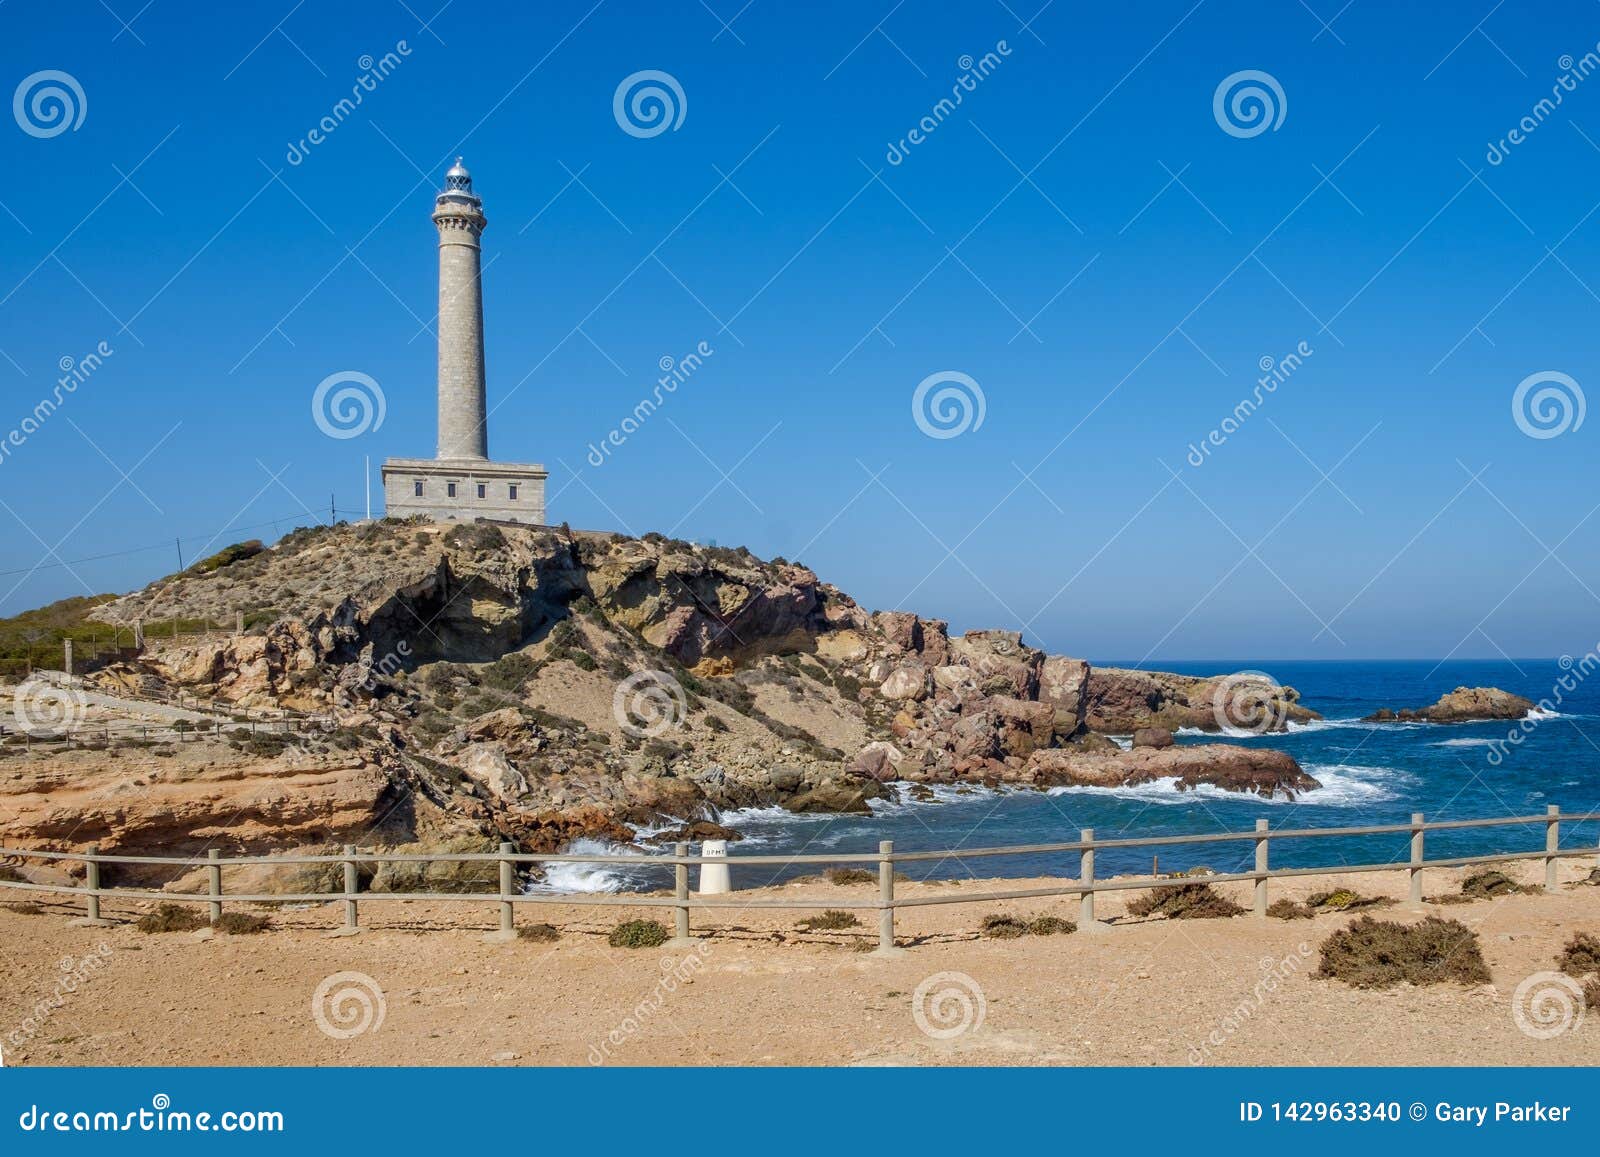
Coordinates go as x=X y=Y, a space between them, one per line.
x=537 y=685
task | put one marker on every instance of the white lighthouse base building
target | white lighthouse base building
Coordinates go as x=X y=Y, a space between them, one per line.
x=464 y=489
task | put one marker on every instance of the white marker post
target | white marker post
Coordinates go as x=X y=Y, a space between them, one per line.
x=714 y=877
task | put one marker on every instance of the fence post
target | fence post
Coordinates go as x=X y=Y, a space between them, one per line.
x=352 y=884
x=1261 y=869
x=91 y=885
x=1417 y=835
x=680 y=893
x=1086 y=920
x=507 y=931
x=1552 y=845
x=886 y=901
x=214 y=883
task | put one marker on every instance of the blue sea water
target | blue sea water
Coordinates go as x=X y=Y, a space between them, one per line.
x=1371 y=774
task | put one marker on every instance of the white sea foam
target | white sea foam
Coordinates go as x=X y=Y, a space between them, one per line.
x=1480 y=742
x=1343 y=785
x=578 y=877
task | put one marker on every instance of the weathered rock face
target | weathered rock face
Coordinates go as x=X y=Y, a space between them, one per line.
x=139 y=804
x=1463 y=705
x=1227 y=766
x=474 y=671
x=1121 y=700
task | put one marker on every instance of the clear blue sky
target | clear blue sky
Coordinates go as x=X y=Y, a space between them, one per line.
x=230 y=282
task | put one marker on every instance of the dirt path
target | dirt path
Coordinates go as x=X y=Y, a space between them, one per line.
x=757 y=991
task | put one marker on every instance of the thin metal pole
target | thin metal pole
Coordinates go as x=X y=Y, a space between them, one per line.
x=1417 y=836
x=886 y=896
x=1086 y=878
x=1552 y=845
x=1261 y=869
x=508 y=882
x=214 y=883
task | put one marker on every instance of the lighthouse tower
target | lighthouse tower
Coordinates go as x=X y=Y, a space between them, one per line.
x=461 y=482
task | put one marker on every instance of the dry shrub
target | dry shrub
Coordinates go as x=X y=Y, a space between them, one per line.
x=25 y=908
x=1050 y=926
x=1343 y=900
x=831 y=920
x=1581 y=956
x=171 y=918
x=1001 y=927
x=539 y=933
x=241 y=924
x=1490 y=884
x=1184 y=902
x=850 y=876
x=1289 y=910
x=1380 y=953
x=1591 y=994
x=637 y=934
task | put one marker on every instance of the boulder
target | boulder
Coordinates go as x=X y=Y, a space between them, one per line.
x=1002 y=663
x=1152 y=737
x=877 y=761
x=836 y=796
x=486 y=763
x=1064 y=683
x=1024 y=725
x=907 y=682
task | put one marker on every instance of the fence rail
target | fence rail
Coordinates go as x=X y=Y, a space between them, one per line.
x=1085 y=886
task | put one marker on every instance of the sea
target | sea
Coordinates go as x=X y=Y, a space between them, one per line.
x=1371 y=774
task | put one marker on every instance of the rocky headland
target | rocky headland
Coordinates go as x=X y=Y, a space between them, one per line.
x=460 y=685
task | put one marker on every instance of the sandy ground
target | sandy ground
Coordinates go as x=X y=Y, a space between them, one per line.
x=759 y=991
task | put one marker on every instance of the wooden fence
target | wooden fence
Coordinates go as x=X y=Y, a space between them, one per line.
x=1085 y=886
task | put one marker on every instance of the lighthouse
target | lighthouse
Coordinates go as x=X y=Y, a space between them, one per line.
x=461 y=482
